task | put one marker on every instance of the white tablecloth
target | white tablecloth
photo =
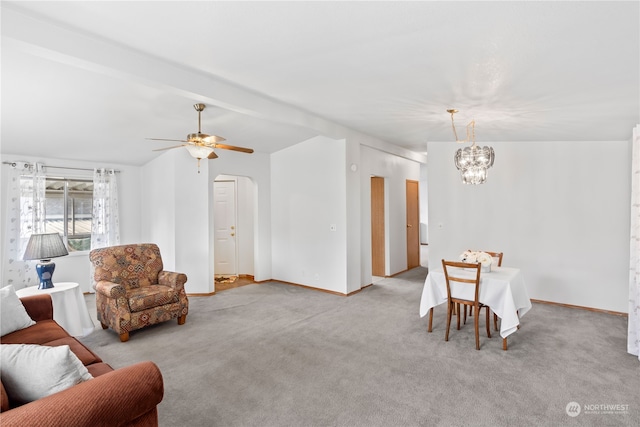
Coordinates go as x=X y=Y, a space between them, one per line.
x=69 y=307
x=503 y=289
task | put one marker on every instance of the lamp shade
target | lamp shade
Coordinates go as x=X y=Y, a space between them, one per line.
x=45 y=246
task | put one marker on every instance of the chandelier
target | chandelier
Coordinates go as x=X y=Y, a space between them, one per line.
x=473 y=161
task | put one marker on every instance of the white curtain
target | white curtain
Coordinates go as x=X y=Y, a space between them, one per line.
x=105 y=224
x=25 y=216
x=633 y=341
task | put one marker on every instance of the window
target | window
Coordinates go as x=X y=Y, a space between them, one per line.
x=68 y=209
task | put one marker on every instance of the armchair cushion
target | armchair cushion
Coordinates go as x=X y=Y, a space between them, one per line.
x=151 y=296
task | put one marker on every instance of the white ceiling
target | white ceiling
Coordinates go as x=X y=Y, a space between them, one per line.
x=90 y=80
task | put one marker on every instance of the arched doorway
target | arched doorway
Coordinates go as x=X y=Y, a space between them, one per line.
x=233 y=229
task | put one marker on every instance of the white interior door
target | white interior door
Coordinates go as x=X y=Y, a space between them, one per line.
x=224 y=195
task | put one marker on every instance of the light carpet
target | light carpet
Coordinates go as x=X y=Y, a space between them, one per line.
x=272 y=354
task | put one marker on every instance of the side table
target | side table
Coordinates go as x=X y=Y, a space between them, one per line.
x=69 y=307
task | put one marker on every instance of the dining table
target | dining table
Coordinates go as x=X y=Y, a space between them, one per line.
x=503 y=289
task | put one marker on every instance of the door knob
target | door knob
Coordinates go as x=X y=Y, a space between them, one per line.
x=232 y=227
x=233 y=234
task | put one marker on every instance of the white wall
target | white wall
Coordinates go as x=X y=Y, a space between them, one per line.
x=158 y=201
x=396 y=171
x=246 y=222
x=308 y=196
x=76 y=267
x=352 y=170
x=176 y=216
x=558 y=210
x=424 y=204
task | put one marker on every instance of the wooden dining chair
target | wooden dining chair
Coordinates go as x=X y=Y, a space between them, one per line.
x=498 y=256
x=452 y=274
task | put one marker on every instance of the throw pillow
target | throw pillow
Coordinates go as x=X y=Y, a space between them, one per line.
x=30 y=372
x=12 y=312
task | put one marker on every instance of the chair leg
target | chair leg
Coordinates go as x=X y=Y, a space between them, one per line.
x=477 y=330
x=504 y=344
x=458 y=309
x=430 y=319
x=182 y=319
x=495 y=321
x=465 y=315
x=488 y=322
x=449 y=313
x=124 y=337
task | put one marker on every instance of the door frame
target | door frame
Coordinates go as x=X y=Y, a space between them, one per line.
x=413 y=224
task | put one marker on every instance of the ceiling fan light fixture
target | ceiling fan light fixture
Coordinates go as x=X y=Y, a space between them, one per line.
x=200 y=145
x=199 y=151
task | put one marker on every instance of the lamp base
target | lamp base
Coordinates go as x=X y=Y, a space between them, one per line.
x=45 y=272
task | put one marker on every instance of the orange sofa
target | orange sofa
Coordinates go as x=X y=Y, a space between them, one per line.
x=123 y=397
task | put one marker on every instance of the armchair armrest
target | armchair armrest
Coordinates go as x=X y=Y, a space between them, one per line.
x=39 y=307
x=175 y=280
x=110 y=289
x=112 y=399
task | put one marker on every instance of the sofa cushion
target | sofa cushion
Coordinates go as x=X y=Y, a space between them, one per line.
x=97 y=369
x=86 y=356
x=151 y=296
x=13 y=315
x=31 y=372
x=40 y=333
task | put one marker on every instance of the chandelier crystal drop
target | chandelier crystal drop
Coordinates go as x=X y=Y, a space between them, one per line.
x=474 y=161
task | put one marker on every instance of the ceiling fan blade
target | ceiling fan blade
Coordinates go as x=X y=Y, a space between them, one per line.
x=234 y=148
x=165 y=139
x=213 y=155
x=169 y=148
x=213 y=139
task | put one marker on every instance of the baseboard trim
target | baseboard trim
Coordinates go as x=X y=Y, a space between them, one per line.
x=580 y=307
x=309 y=287
x=340 y=294
x=202 y=295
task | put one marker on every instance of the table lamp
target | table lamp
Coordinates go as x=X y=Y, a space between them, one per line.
x=44 y=247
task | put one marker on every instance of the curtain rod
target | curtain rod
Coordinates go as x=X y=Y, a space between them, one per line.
x=59 y=167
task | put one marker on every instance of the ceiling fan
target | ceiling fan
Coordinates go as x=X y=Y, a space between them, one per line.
x=200 y=145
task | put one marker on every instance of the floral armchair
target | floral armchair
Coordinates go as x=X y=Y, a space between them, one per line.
x=133 y=291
